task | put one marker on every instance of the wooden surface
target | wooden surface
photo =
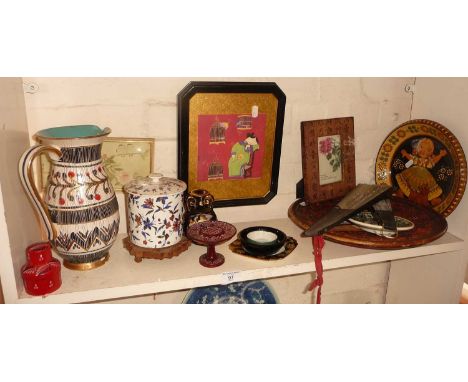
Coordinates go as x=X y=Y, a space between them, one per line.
x=122 y=277
x=428 y=225
x=436 y=279
x=155 y=253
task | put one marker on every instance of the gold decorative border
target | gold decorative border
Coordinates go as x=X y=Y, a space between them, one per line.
x=424 y=127
x=233 y=103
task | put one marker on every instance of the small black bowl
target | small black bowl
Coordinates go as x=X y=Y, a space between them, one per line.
x=262 y=240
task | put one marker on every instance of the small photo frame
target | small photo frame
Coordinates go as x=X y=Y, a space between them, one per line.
x=124 y=159
x=230 y=136
x=328 y=160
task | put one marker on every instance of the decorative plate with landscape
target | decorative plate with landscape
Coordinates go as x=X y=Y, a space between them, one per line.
x=425 y=163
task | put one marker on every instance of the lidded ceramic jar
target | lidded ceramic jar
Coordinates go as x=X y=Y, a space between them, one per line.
x=155 y=211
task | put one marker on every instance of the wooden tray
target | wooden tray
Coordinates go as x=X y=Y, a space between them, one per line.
x=429 y=225
x=156 y=253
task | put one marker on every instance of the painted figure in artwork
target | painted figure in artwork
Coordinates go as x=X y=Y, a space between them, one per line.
x=242 y=156
x=417 y=182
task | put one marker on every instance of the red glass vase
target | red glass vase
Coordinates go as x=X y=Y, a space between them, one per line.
x=41 y=273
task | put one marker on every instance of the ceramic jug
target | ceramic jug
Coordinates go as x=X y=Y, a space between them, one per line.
x=79 y=208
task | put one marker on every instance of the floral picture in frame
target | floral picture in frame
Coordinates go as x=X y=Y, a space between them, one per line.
x=329 y=149
x=328 y=165
x=124 y=159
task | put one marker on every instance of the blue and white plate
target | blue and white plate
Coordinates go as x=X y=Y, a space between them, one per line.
x=248 y=292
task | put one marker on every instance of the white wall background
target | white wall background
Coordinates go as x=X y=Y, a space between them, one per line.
x=15 y=209
x=445 y=100
x=146 y=107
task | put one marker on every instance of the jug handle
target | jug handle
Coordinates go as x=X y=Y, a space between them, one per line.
x=27 y=180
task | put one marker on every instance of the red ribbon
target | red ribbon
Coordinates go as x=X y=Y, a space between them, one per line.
x=318 y=242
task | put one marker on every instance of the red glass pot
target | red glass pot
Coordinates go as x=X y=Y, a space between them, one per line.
x=41 y=273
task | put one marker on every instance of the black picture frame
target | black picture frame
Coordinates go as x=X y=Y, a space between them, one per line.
x=222 y=191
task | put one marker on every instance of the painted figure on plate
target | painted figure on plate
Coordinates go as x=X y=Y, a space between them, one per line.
x=416 y=181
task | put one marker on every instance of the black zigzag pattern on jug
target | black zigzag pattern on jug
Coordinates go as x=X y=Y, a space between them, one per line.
x=88 y=239
x=85 y=215
x=81 y=154
x=86 y=258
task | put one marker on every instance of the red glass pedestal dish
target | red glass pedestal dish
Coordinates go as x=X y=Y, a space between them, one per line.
x=210 y=234
x=41 y=273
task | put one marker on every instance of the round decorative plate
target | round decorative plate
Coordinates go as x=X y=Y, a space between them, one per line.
x=428 y=224
x=248 y=292
x=424 y=162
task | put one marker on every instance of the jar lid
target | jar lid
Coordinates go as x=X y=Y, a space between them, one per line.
x=155 y=185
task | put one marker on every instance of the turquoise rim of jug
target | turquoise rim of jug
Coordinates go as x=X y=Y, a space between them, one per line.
x=70 y=132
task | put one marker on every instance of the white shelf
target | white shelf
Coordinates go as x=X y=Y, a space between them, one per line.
x=121 y=276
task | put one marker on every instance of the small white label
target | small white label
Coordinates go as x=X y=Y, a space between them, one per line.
x=228 y=277
x=409 y=163
x=254 y=111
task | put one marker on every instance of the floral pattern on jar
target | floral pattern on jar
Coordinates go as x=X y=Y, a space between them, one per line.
x=155 y=221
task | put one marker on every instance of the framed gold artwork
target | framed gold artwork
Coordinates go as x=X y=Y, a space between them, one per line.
x=229 y=140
